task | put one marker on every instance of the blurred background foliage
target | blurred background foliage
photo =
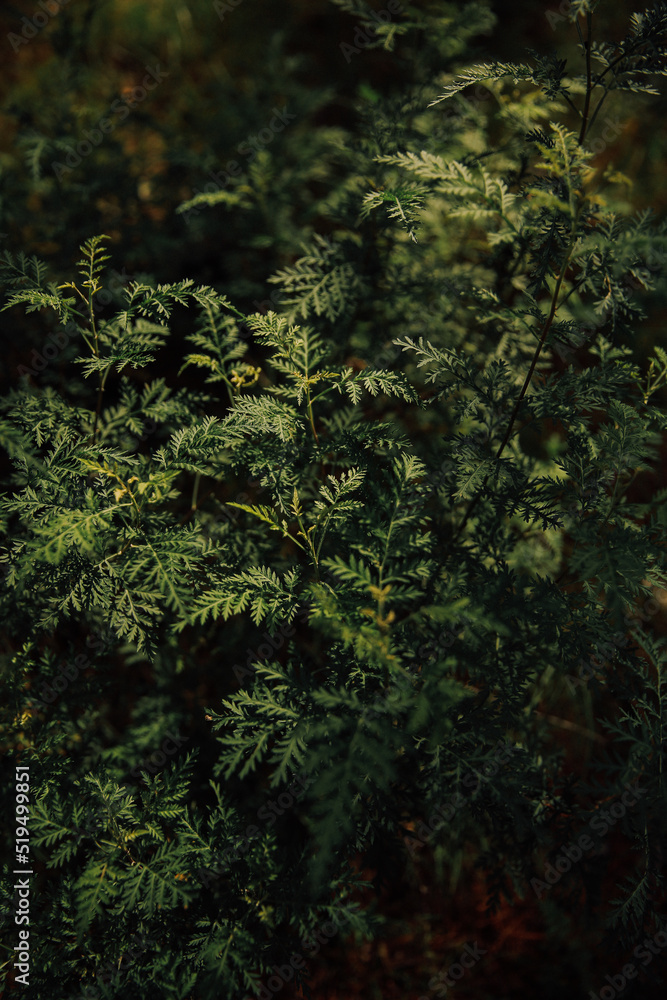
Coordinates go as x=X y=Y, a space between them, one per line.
x=226 y=73
x=227 y=68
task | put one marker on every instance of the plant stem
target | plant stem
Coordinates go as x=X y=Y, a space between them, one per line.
x=96 y=352
x=309 y=542
x=195 y=491
x=188 y=514
x=230 y=391
x=559 y=281
x=517 y=406
x=538 y=350
x=98 y=408
x=310 y=414
x=589 y=84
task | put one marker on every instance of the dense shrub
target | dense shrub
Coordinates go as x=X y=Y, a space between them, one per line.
x=306 y=601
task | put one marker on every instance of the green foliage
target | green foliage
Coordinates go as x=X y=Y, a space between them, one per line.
x=427 y=582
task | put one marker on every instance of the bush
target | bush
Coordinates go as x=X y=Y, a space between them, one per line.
x=382 y=530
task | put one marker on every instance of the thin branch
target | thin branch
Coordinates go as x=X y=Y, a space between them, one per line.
x=597 y=109
x=517 y=406
x=589 y=84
